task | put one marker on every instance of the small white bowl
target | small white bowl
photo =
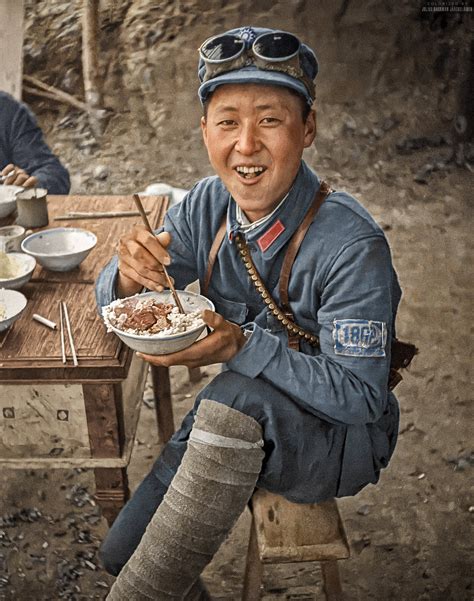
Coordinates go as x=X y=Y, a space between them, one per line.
x=11 y=237
x=23 y=266
x=13 y=304
x=60 y=248
x=156 y=344
x=8 y=199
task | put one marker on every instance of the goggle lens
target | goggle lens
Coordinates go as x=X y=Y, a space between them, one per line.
x=276 y=46
x=222 y=48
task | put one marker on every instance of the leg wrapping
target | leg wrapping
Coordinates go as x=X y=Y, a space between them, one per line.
x=210 y=490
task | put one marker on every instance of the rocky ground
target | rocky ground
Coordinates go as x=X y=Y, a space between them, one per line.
x=386 y=107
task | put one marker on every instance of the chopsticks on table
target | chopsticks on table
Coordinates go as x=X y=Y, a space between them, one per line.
x=96 y=215
x=138 y=202
x=64 y=318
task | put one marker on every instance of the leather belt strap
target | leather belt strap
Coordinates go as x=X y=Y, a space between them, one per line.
x=293 y=329
x=213 y=254
x=295 y=243
x=290 y=256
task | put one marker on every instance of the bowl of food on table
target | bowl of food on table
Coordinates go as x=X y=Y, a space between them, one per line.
x=151 y=323
x=12 y=305
x=60 y=248
x=16 y=270
x=8 y=199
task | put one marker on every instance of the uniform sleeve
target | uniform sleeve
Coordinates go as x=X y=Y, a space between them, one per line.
x=347 y=382
x=182 y=249
x=30 y=152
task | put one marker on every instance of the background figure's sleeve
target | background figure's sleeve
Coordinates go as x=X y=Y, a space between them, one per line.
x=335 y=385
x=30 y=152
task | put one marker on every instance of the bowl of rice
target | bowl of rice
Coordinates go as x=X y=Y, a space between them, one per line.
x=12 y=305
x=16 y=270
x=151 y=323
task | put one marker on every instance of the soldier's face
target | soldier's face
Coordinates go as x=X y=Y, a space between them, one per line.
x=255 y=136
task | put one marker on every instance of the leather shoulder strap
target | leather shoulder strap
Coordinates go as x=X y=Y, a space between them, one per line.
x=213 y=254
x=291 y=252
x=295 y=243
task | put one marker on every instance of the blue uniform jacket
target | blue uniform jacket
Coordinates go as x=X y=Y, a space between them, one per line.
x=343 y=288
x=22 y=143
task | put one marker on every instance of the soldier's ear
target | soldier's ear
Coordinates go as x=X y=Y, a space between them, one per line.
x=204 y=129
x=310 y=128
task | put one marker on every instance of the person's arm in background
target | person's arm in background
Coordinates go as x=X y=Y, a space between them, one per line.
x=26 y=152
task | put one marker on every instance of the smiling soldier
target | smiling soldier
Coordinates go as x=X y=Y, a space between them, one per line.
x=306 y=298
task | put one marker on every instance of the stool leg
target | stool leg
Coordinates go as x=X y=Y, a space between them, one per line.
x=195 y=374
x=253 y=569
x=332 y=582
x=112 y=491
x=164 y=410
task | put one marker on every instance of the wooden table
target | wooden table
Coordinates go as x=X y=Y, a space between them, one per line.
x=60 y=416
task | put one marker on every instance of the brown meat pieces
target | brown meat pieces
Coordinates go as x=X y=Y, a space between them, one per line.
x=149 y=316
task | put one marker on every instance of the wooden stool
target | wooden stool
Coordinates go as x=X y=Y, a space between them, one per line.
x=287 y=542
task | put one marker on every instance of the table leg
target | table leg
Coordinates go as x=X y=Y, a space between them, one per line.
x=164 y=410
x=112 y=491
x=104 y=410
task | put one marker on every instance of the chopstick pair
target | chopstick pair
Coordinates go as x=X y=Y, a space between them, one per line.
x=96 y=215
x=64 y=317
x=142 y=212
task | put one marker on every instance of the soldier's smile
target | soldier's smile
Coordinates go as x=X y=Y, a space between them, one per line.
x=255 y=136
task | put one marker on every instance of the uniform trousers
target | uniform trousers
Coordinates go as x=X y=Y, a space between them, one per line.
x=303 y=456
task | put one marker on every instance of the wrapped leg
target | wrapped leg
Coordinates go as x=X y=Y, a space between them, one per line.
x=213 y=484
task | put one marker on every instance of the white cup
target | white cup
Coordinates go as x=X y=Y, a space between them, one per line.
x=11 y=237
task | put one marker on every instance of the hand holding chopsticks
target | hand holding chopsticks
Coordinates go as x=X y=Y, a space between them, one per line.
x=140 y=208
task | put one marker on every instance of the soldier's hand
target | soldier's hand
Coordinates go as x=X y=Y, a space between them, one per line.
x=220 y=346
x=141 y=258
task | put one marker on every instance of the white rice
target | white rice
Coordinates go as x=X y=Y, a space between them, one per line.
x=9 y=267
x=179 y=322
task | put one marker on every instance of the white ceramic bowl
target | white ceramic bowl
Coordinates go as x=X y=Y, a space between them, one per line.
x=11 y=237
x=60 y=248
x=23 y=267
x=8 y=199
x=13 y=304
x=155 y=344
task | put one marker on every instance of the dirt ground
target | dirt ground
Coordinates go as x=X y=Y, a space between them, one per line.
x=386 y=107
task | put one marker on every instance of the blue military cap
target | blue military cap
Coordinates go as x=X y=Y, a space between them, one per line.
x=246 y=64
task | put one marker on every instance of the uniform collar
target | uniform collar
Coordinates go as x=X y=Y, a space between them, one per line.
x=290 y=213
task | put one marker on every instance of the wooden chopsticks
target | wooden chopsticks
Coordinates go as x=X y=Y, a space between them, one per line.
x=64 y=318
x=138 y=202
x=96 y=215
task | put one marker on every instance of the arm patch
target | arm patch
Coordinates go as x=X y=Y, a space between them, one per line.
x=359 y=337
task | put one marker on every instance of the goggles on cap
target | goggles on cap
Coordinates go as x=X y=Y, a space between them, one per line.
x=275 y=51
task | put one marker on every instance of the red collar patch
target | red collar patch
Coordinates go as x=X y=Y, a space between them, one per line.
x=269 y=237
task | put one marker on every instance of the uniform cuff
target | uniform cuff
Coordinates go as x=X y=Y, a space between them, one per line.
x=256 y=353
x=105 y=286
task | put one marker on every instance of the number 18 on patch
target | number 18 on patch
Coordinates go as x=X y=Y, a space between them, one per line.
x=359 y=337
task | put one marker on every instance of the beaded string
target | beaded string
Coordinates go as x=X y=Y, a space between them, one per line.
x=293 y=328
